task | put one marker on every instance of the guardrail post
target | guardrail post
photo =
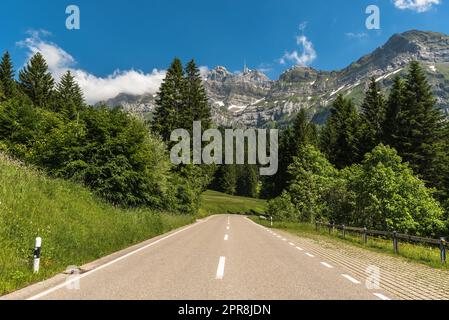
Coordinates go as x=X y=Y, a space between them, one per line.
x=37 y=254
x=330 y=227
x=344 y=231
x=443 y=250
x=395 y=242
x=365 y=235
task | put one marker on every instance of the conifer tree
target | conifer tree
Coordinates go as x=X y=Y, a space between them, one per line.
x=196 y=102
x=394 y=105
x=170 y=101
x=372 y=119
x=2 y=92
x=339 y=138
x=69 y=96
x=302 y=132
x=7 y=76
x=420 y=124
x=37 y=82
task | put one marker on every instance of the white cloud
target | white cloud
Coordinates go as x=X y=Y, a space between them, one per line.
x=308 y=54
x=416 y=5
x=360 y=35
x=95 y=88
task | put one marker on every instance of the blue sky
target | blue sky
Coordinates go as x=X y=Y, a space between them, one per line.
x=145 y=35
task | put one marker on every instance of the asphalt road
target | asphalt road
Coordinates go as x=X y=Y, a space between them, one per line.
x=221 y=258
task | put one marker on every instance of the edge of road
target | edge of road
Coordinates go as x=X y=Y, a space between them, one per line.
x=56 y=282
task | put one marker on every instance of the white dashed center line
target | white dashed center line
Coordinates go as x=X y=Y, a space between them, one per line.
x=310 y=255
x=227 y=228
x=327 y=265
x=292 y=244
x=381 y=296
x=351 y=279
x=221 y=268
x=300 y=249
x=226 y=238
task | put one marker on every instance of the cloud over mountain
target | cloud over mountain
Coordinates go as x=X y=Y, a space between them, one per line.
x=95 y=88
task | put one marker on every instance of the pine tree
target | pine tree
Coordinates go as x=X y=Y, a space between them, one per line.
x=420 y=124
x=37 y=82
x=302 y=132
x=69 y=96
x=339 y=136
x=394 y=106
x=2 y=92
x=196 y=102
x=170 y=101
x=372 y=119
x=7 y=76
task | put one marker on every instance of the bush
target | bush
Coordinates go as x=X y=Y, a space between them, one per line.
x=312 y=179
x=390 y=197
x=282 y=208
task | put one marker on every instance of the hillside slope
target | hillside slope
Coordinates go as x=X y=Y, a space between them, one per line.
x=76 y=227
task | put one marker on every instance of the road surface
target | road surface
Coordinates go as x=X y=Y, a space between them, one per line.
x=220 y=258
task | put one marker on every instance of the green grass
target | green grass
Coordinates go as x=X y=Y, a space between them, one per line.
x=219 y=203
x=422 y=254
x=75 y=225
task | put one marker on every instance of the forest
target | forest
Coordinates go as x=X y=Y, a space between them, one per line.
x=383 y=165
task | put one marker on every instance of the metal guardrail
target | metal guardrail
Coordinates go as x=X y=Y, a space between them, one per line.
x=442 y=243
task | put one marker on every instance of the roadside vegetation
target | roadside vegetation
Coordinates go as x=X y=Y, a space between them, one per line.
x=75 y=224
x=384 y=168
x=412 y=252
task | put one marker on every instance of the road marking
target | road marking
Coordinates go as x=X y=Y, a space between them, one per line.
x=292 y=244
x=327 y=265
x=300 y=249
x=220 y=268
x=310 y=255
x=274 y=234
x=229 y=221
x=381 y=296
x=283 y=239
x=226 y=237
x=279 y=237
x=68 y=282
x=351 y=279
x=228 y=228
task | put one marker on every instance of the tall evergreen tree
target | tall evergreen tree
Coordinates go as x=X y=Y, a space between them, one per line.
x=339 y=136
x=372 y=119
x=305 y=131
x=196 y=106
x=302 y=132
x=420 y=124
x=37 y=82
x=7 y=76
x=69 y=96
x=394 y=105
x=2 y=92
x=170 y=101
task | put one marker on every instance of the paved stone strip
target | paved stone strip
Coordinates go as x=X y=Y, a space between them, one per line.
x=406 y=280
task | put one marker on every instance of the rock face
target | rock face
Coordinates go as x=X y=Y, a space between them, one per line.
x=251 y=99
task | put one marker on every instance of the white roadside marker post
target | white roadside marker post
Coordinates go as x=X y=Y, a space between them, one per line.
x=37 y=254
x=271 y=221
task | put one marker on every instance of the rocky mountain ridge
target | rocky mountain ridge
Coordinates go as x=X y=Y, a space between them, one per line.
x=251 y=99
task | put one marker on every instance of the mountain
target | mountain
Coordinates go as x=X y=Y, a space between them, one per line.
x=250 y=98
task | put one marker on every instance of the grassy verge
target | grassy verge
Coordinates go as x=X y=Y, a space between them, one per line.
x=429 y=256
x=219 y=203
x=76 y=226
